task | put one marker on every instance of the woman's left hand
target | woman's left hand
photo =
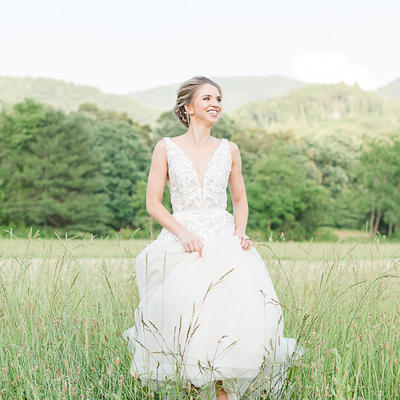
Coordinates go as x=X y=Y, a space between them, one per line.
x=245 y=241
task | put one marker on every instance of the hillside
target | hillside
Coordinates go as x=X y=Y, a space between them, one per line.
x=320 y=109
x=272 y=102
x=391 y=90
x=236 y=91
x=67 y=96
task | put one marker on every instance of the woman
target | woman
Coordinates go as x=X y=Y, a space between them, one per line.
x=208 y=311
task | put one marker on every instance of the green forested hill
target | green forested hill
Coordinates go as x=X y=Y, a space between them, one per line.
x=271 y=102
x=67 y=97
x=236 y=91
x=391 y=90
x=321 y=109
x=144 y=106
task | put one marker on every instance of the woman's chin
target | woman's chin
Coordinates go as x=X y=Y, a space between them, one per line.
x=212 y=120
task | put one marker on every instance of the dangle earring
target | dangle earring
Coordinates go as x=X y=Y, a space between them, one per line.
x=187 y=117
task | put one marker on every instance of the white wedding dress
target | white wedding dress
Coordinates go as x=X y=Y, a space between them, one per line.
x=202 y=319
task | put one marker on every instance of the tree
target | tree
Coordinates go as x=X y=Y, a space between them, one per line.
x=378 y=171
x=334 y=157
x=125 y=163
x=125 y=147
x=283 y=197
x=50 y=170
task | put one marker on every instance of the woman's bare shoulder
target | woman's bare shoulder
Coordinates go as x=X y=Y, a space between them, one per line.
x=160 y=144
x=159 y=162
x=160 y=150
x=234 y=148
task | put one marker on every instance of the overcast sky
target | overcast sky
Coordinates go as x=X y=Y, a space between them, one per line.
x=120 y=46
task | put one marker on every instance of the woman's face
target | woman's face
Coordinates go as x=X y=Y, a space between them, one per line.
x=206 y=105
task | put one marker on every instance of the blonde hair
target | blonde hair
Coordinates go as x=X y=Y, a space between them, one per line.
x=185 y=95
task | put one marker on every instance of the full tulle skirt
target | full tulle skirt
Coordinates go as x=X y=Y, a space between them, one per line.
x=207 y=318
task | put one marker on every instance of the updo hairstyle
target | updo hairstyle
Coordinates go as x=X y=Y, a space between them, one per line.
x=185 y=95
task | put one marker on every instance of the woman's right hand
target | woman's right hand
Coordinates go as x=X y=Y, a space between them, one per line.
x=190 y=242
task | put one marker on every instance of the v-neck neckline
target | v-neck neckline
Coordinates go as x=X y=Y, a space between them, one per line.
x=201 y=186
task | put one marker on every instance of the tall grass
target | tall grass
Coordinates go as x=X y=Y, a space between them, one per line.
x=65 y=303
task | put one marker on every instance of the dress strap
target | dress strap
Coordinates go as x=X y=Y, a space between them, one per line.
x=169 y=149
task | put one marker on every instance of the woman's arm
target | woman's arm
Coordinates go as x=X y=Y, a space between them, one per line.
x=238 y=194
x=238 y=191
x=155 y=189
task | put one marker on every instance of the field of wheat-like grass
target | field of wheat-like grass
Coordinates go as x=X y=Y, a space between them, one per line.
x=65 y=303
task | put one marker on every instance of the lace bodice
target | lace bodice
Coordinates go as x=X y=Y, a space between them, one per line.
x=201 y=209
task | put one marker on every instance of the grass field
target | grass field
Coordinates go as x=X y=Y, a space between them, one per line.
x=65 y=303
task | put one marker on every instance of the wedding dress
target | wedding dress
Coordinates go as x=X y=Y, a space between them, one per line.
x=215 y=317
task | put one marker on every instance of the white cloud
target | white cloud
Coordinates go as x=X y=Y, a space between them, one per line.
x=331 y=67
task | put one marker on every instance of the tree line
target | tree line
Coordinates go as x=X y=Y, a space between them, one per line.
x=86 y=172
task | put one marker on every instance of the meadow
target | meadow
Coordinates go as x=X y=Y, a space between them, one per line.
x=64 y=304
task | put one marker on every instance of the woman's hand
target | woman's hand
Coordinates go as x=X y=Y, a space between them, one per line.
x=190 y=242
x=245 y=241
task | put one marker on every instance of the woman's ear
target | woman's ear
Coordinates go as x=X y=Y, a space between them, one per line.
x=188 y=108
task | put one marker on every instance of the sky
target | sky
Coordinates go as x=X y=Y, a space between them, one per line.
x=122 y=46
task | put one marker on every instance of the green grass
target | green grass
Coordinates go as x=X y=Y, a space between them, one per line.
x=116 y=248
x=64 y=305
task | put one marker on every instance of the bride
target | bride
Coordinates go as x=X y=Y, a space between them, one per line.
x=208 y=314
